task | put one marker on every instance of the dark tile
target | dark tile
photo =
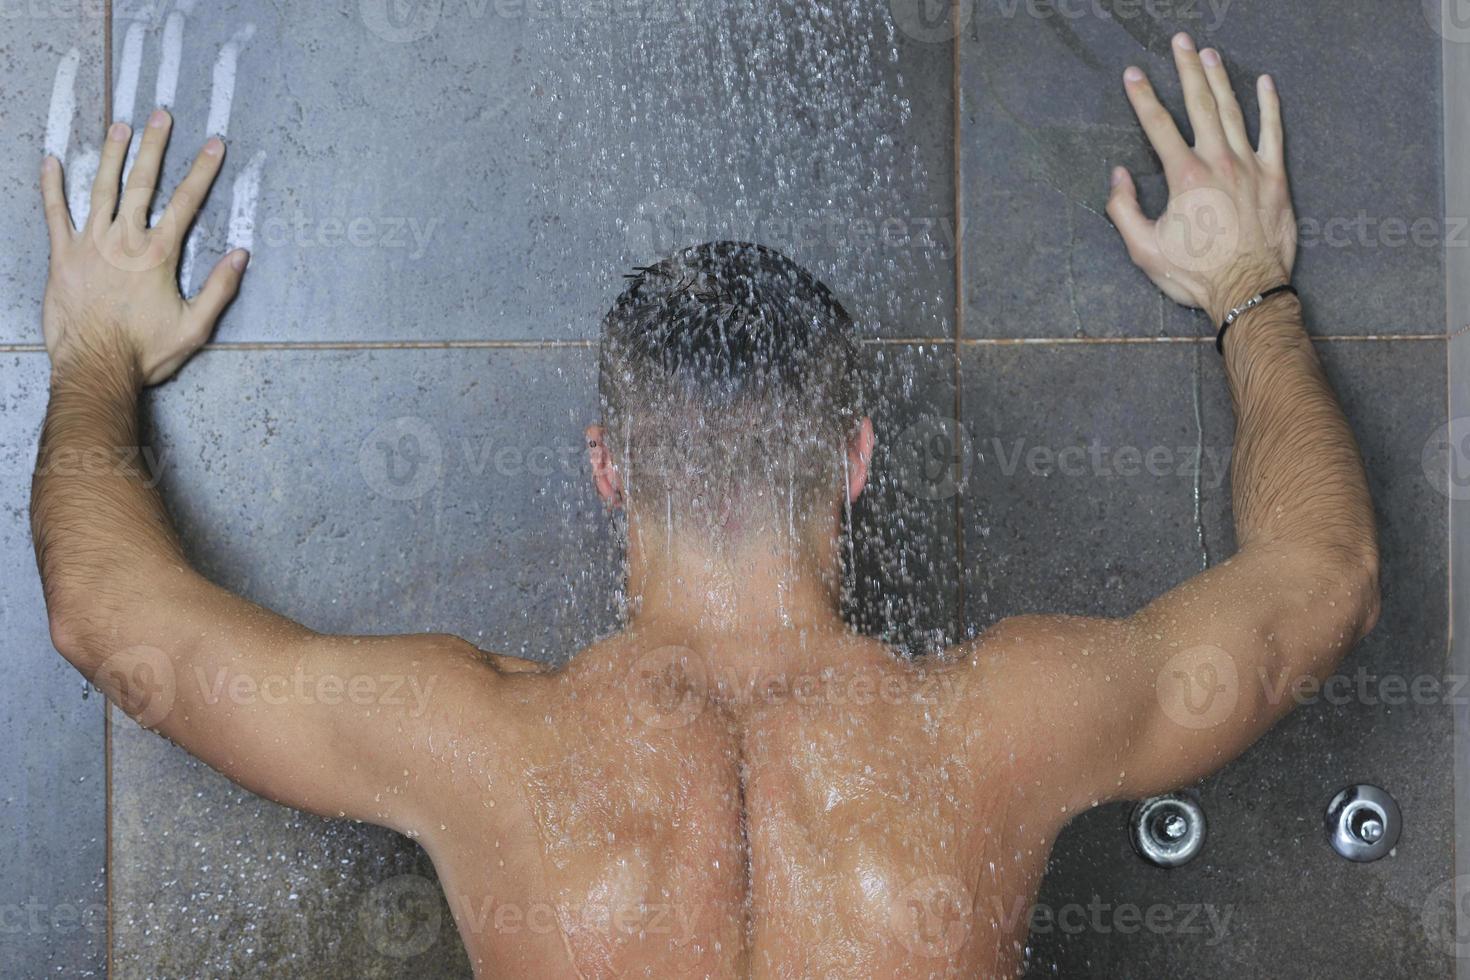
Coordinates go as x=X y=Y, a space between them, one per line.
x=368 y=492
x=210 y=880
x=1044 y=118
x=45 y=49
x=1080 y=492
x=438 y=489
x=492 y=170
x=53 y=803
x=483 y=525
x=1366 y=729
x=905 y=545
x=1100 y=544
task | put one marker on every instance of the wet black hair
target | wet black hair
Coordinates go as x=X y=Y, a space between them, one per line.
x=727 y=364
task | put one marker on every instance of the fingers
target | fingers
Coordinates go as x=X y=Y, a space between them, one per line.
x=192 y=190
x=221 y=286
x=143 y=178
x=1232 y=120
x=109 y=173
x=1135 y=227
x=1272 y=137
x=53 y=200
x=1204 y=117
x=1157 y=124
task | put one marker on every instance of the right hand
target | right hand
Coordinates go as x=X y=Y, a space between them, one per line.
x=1228 y=231
x=117 y=278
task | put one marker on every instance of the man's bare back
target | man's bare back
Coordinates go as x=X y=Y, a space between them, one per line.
x=737 y=785
x=639 y=813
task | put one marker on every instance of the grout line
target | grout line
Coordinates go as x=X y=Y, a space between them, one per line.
x=107 y=822
x=1210 y=341
x=956 y=122
x=106 y=65
x=1454 y=82
x=249 y=345
x=107 y=797
x=348 y=345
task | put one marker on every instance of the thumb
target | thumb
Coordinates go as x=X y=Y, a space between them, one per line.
x=219 y=289
x=1137 y=230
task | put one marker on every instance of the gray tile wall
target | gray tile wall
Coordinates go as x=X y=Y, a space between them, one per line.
x=486 y=172
x=53 y=804
x=1456 y=56
x=1103 y=537
x=1043 y=120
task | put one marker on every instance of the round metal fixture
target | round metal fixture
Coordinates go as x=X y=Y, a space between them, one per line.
x=1168 y=830
x=1362 y=823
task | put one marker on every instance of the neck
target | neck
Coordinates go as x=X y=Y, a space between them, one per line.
x=762 y=584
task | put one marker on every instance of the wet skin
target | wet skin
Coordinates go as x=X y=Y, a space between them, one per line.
x=736 y=786
x=655 y=814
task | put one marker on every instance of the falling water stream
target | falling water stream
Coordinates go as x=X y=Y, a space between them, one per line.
x=615 y=135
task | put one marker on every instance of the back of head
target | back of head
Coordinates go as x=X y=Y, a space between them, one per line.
x=729 y=387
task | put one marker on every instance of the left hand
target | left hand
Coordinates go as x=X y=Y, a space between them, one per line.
x=117 y=278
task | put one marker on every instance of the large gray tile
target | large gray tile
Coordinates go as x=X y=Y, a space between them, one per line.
x=424 y=489
x=275 y=467
x=1271 y=800
x=905 y=545
x=1101 y=544
x=53 y=806
x=395 y=491
x=52 y=783
x=209 y=880
x=492 y=170
x=1080 y=491
x=45 y=48
x=1044 y=118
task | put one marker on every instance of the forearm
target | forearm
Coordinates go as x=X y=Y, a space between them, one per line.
x=1308 y=562
x=103 y=538
x=1297 y=477
x=1289 y=605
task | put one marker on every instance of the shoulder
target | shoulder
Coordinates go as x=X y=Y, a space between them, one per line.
x=1038 y=682
x=1021 y=643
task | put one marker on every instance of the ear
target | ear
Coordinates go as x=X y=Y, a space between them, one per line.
x=605 y=475
x=859 y=456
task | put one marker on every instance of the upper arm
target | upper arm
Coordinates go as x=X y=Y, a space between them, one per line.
x=341 y=726
x=1126 y=708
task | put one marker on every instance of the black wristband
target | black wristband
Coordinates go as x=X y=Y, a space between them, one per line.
x=1246 y=307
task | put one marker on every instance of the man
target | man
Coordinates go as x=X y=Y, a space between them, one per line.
x=735 y=785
